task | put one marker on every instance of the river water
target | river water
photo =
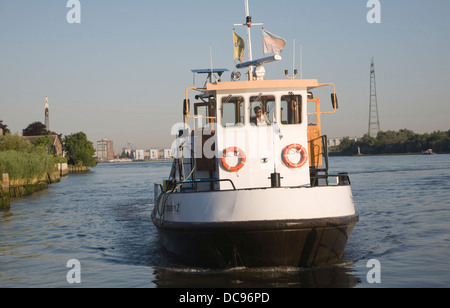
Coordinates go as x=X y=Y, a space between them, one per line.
x=102 y=219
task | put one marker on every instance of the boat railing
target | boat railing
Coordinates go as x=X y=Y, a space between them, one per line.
x=340 y=179
x=198 y=181
x=321 y=177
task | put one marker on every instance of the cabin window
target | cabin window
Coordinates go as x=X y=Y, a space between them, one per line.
x=267 y=105
x=233 y=111
x=312 y=113
x=204 y=111
x=291 y=109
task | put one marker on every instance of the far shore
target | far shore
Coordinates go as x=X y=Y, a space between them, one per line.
x=383 y=154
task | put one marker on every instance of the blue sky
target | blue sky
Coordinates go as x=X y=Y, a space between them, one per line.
x=121 y=73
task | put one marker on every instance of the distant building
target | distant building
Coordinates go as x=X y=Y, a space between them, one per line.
x=147 y=155
x=56 y=146
x=105 y=150
x=167 y=153
x=335 y=142
x=126 y=151
x=154 y=154
x=139 y=155
x=151 y=154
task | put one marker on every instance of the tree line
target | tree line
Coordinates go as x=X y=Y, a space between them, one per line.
x=402 y=141
x=78 y=149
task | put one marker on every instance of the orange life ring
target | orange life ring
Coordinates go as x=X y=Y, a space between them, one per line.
x=238 y=166
x=303 y=152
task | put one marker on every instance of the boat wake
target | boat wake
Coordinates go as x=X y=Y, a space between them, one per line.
x=339 y=275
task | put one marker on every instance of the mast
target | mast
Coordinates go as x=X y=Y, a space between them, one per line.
x=259 y=71
x=248 y=22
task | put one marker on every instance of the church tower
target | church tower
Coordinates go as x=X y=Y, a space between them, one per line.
x=47 y=121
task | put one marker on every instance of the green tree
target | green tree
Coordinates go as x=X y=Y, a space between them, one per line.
x=402 y=141
x=35 y=129
x=80 y=150
x=435 y=139
x=4 y=129
x=46 y=144
x=366 y=144
x=347 y=146
x=15 y=143
x=416 y=143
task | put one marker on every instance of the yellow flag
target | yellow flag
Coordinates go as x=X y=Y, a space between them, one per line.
x=239 y=46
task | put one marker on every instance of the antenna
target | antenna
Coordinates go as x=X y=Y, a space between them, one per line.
x=301 y=63
x=293 y=54
x=286 y=72
x=210 y=56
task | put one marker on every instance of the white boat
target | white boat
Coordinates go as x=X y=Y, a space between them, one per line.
x=241 y=194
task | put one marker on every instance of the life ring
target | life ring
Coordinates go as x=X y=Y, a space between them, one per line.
x=298 y=147
x=238 y=166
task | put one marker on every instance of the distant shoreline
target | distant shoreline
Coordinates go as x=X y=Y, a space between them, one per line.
x=127 y=160
x=381 y=154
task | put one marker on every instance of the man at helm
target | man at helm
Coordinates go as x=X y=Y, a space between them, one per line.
x=260 y=119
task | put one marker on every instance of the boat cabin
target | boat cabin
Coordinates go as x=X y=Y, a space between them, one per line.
x=223 y=147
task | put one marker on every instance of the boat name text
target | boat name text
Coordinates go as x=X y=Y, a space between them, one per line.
x=173 y=208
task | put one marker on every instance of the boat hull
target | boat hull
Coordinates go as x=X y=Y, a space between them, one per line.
x=301 y=242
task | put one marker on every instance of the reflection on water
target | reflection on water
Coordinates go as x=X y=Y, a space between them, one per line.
x=325 y=277
x=103 y=220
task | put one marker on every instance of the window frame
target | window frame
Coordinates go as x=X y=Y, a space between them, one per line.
x=239 y=110
x=290 y=114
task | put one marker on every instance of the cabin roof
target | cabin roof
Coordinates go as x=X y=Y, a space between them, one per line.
x=263 y=84
x=53 y=138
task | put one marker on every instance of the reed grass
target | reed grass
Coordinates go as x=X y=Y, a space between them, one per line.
x=21 y=165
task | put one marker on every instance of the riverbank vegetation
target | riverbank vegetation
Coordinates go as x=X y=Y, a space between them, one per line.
x=80 y=151
x=396 y=142
x=23 y=160
x=30 y=162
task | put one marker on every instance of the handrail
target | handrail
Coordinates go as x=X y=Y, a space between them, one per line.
x=317 y=101
x=334 y=93
x=206 y=181
x=187 y=107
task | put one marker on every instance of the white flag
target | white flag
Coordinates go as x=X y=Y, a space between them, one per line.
x=272 y=43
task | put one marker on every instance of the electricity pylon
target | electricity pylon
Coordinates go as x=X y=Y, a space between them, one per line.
x=374 y=121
